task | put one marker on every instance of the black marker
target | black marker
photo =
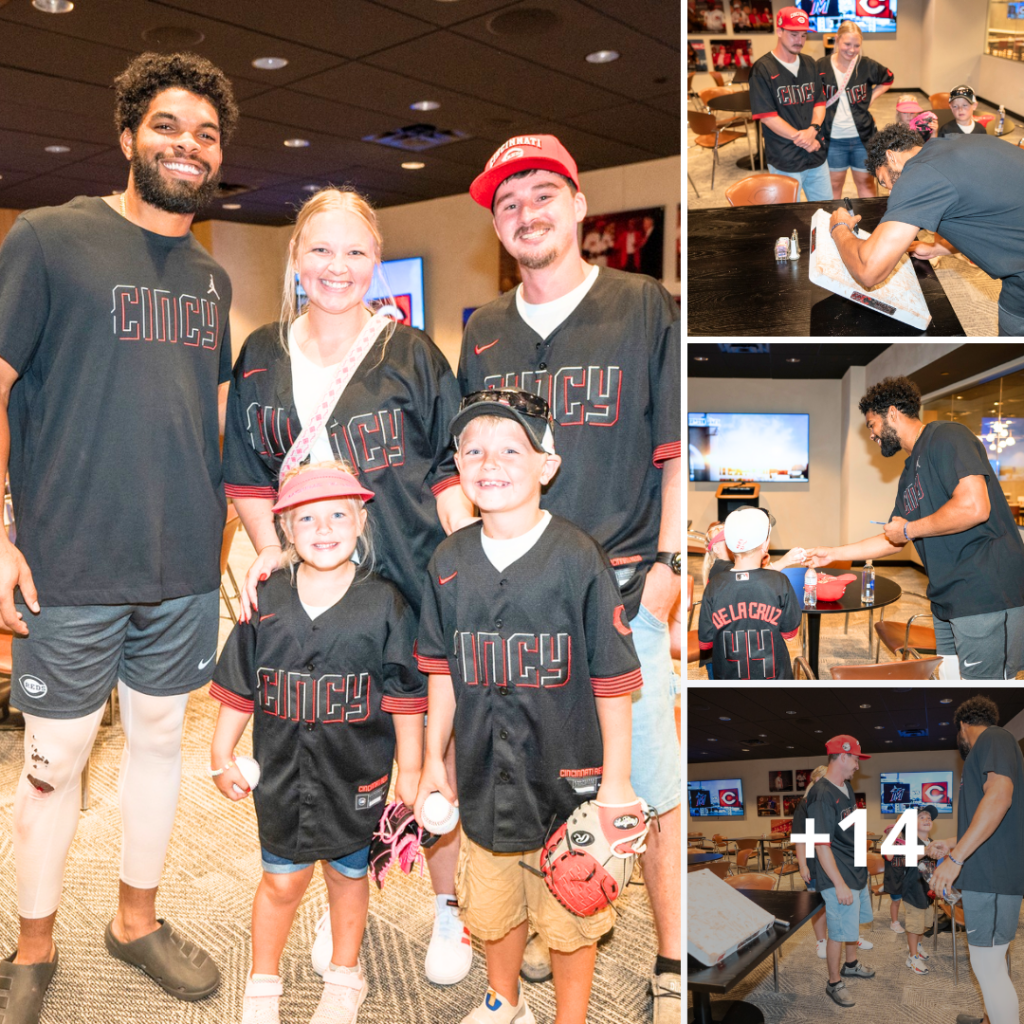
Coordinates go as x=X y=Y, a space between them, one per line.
x=848 y=205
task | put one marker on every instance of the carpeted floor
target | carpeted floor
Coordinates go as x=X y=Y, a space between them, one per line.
x=211 y=875
x=896 y=993
x=972 y=293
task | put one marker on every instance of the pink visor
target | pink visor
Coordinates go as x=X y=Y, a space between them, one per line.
x=319 y=485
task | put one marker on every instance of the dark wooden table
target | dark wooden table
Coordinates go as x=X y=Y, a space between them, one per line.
x=796 y=908
x=738 y=102
x=695 y=860
x=886 y=592
x=736 y=288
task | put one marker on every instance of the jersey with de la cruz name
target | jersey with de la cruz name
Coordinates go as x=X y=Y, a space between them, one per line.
x=322 y=692
x=529 y=649
x=745 y=619
x=611 y=374
x=776 y=91
x=390 y=424
x=120 y=339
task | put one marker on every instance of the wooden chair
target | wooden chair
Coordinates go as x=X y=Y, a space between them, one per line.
x=925 y=668
x=720 y=79
x=781 y=867
x=721 y=844
x=751 y=880
x=722 y=868
x=905 y=638
x=231 y=527
x=711 y=136
x=763 y=189
x=743 y=858
x=939 y=100
x=876 y=868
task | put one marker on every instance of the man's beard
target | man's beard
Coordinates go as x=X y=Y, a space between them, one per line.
x=963 y=747
x=171 y=196
x=890 y=441
x=537 y=260
x=894 y=173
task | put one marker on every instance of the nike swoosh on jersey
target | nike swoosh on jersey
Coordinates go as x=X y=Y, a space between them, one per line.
x=483 y=348
x=971 y=664
x=270 y=616
x=447 y=579
x=776 y=76
x=203 y=664
x=249 y=373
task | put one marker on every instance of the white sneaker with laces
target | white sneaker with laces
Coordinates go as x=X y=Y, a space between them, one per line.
x=344 y=992
x=864 y=944
x=897 y=927
x=450 y=953
x=496 y=1010
x=916 y=965
x=261 y=999
x=820 y=947
x=323 y=945
x=921 y=954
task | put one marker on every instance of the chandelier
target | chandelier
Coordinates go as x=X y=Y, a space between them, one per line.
x=1000 y=435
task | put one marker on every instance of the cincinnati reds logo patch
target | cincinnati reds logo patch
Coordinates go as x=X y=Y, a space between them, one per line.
x=32 y=686
x=510 y=154
x=619 y=620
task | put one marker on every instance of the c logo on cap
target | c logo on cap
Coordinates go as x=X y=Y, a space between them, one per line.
x=510 y=154
x=846 y=746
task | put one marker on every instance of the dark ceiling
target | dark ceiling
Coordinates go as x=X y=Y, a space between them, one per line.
x=779 y=722
x=496 y=68
x=826 y=361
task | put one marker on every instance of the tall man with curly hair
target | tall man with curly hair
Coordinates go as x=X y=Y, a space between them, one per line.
x=969 y=194
x=114 y=359
x=950 y=506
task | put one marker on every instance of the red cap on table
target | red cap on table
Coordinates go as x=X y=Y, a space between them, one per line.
x=844 y=745
x=793 y=19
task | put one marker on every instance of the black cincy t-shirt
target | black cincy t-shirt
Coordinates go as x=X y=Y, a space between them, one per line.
x=981 y=569
x=828 y=805
x=120 y=339
x=745 y=620
x=775 y=90
x=996 y=865
x=866 y=75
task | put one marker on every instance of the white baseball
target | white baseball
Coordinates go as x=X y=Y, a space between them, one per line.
x=439 y=816
x=250 y=769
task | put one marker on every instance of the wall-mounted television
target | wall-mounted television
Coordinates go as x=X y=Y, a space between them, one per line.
x=403 y=281
x=716 y=798
x=901 y=790
x=761 y=447
x=868 y=15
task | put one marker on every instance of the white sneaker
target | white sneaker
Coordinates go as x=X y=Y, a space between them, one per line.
x=820 y=948
x=495 y=1010
x=323 y=945
x=916 y=965
x=344 y=992
x=450 y=953
x=921 y=954
x=897 y=927
x=260 y=1002
x=864 y=944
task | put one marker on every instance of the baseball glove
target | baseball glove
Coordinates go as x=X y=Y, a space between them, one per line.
x=589 y=860
x=398 y=840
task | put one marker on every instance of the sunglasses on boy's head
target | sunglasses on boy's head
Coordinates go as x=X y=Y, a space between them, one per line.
x=525 y=402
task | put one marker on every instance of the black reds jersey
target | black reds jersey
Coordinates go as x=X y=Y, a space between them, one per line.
x=745 y=619
x=322 y=692
x=391 y=425
x=528 y=649
x=775 y=90
x=611 y=373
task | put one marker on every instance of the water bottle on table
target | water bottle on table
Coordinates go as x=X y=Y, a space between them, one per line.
x=810 y=589
x=867 y=584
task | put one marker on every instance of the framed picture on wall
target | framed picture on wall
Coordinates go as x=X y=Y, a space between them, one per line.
x=780 y=782
x=767 y=806
x=705 y=16
x=752 y=16
x=696 y=55
x=861 y=798
x=633 y=241
x=783 y=826
x=729 y=54
x=803 y=778
x=789 y=804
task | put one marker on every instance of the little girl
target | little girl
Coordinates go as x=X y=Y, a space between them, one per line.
x=327 y=663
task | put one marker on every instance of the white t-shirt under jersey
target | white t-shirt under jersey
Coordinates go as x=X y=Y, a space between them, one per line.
x=309 y=382
x=502 y=553
x=544 y=317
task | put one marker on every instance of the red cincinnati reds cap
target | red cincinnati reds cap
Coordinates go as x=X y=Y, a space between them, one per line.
x=524 y=153
x=318 y=485
x=792 y=18
x=845 y=745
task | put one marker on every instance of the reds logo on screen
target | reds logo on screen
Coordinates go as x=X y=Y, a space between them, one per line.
x=873 y=9
x=934 y=793
x=729 y=797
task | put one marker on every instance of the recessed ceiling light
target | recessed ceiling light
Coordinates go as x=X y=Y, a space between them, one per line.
x=724 y=718
x=879 y=726
x=792 y=360
x=700 y=359
x=865 y=705
x=231 y=206
x=817 y=730
x=425 y=105
x=746 y=750
x=790 y=712
x=762 y=734
x=888 y=741
x=270 y=63
x=310 y=188
x=943 y=723
x=946 y=700
x=53 y=6
x=602 y=56
x=413 y=165
x=58 y=149
x=296 y=143
x=789 y=748
x=711 y=739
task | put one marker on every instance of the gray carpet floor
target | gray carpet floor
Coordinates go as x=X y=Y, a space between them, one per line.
x=211 y=875
x=896 y=993
x=972 y=293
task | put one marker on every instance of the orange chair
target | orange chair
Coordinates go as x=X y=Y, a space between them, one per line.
x=763 y=189
x=743 y=857
x=710 y=135
x=722 y=868
x=781 y=867
x=939 y=100
x=720 y=79
x=925 y=668
x=751 y=881
x=905 y=638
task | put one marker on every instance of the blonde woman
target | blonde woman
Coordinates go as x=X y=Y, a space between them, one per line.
x=851 y=83
x=800 y=827
x=372 y=393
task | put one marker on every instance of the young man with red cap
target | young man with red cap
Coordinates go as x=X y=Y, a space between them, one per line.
x=786 y=96
x=842 y=884
x=603 y=348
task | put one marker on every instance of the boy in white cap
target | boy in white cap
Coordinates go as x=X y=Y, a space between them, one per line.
x=748 y=614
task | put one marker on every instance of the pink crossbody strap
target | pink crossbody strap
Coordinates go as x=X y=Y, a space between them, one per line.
x=329 y=399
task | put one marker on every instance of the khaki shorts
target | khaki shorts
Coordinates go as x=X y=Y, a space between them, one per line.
x=496 y=894
x=917 y=920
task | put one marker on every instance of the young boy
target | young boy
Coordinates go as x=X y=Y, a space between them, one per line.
x=963 y=104
x=748 y=614
x=530 y=659
x=910 y=883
